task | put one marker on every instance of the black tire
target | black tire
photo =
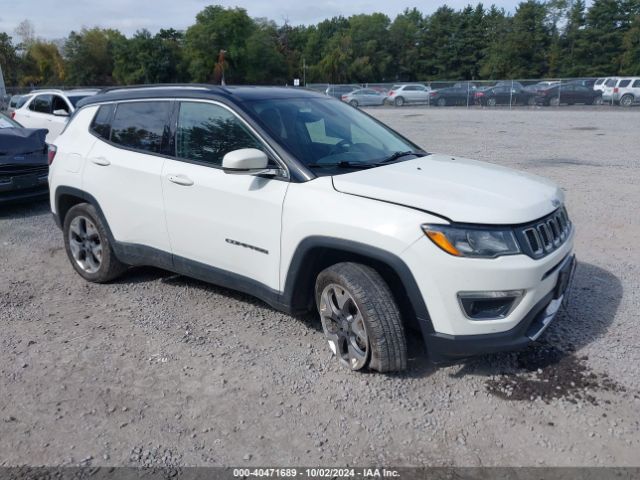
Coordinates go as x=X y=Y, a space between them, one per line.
x=354 y=103
x=597 y=100
x=387 y=345
x=442 y=102
x=109 y=266
x=399 y=101
x=626 y=100
x=492 y=102
x=532 y=101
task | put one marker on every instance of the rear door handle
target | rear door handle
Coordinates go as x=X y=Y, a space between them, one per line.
x=180 y=180
x=103 y=162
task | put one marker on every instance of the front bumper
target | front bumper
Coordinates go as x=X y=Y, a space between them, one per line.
x=443 y=347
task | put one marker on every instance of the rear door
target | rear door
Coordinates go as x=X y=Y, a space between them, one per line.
x=220 y=223
x=123 y=171
x=36 y=113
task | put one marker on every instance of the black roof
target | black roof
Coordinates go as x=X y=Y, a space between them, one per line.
x=234 y=94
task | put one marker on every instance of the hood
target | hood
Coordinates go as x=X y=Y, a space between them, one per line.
x=19 y=141
x=459 y=189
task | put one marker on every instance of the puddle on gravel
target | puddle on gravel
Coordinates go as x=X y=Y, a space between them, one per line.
x=548 y=373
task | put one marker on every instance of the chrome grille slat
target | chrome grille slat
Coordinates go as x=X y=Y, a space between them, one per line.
x=547 y=234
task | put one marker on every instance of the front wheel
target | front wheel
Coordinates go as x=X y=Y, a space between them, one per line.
x=87 y=245
x=360 y=318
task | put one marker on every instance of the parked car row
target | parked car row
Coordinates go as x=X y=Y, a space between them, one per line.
x=624 y=91
x=545 y=93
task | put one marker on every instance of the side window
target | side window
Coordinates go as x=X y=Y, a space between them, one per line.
x=207 y=132
x=59 y=103
x=101 y=124
x=141 y=125
x=624 y=83
x=41 y=104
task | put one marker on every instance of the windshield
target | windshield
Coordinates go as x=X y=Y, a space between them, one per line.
x=320 y=131
x=6 y=122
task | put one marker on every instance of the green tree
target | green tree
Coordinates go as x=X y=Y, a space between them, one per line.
x=495 y=63
x=89 y=56
x=218 y=28
x=631 y=45
x=9 y=61
x=43 y=65
x=604 y=33
x=265 y=62
x=404 y=43
x=527 y=43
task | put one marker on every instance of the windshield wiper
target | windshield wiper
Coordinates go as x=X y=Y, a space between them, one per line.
x=343 y=164
x=396 y=155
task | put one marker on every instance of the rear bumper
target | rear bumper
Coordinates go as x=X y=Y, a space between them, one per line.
x=24 y=194
x=443 y=347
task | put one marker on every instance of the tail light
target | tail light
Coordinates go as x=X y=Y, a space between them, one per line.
x=392 y=93
x=479 y=94
x=343 y=97
x=13 y=115
x=616 y=90
x=433 y=94
x=51 y=154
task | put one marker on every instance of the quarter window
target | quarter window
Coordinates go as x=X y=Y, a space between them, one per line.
x=207 y=132
x=624 y=83
x=101 y=124
x=141 y=125
x=636 y=84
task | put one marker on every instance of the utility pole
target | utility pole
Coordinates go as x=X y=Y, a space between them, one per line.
x=304 y=71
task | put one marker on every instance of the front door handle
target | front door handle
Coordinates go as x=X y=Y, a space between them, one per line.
x=103 y=162
x=180 y=180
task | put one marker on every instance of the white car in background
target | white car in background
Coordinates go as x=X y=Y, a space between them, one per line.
x=50 y=109
x=408 y=93
x=627 y=91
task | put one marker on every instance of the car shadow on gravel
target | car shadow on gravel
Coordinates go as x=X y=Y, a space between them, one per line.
x=551 y=367
x=149 y=274
x=24 y=210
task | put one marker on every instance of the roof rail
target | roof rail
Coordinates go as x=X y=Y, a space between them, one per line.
x=200 y=86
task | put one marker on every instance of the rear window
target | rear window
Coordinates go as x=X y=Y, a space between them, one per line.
x=101 y=125
x=624 y=83
x=141 y=125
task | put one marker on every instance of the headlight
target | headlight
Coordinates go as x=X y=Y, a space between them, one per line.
x=476 y=242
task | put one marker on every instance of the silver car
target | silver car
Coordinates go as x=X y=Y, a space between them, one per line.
x=364 y=97
x=408 y=93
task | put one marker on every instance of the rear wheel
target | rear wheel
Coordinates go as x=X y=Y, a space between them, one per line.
x=398 y=102
x=597 y=101
x=360 y=318
x=531 y=101
x=626 y=100
x=442 y=102
x=88 y=247
x=354 y=103
x=491 y=102
x=554 y=102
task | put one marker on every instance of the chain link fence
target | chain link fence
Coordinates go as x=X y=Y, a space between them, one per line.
x=554 y=92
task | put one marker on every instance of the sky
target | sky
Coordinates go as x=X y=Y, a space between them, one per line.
x=54 y=19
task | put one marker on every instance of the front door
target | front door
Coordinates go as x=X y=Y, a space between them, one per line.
x=221 y=223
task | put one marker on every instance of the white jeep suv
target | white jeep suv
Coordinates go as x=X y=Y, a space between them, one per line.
x=49 y=109
x=305 y=202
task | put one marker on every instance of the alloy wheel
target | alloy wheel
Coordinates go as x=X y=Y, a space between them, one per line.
x=85 y=244
x=344 y=326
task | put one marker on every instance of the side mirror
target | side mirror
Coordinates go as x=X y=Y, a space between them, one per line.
x=61 y=113
x=247 y=161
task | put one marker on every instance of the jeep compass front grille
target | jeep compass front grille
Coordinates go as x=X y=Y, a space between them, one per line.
x=542 y=237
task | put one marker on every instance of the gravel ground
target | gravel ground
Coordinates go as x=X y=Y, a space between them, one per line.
x=161 y=370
